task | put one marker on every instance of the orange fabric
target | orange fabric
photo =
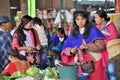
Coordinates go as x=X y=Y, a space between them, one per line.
x=22 y=65
x=12 y=67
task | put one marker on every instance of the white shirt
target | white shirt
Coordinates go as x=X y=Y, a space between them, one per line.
x=81 y=30
x=41 y=33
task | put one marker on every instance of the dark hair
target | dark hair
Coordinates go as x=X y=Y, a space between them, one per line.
x=103 y=14
x=19 y=31
x=13 y=52
x=88 y=25
x=61 y=30
x=37 y=20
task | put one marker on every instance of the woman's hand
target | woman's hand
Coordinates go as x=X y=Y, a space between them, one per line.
x=74 y=49
x=83 y=47
x=38 y=47
x=29 y=48
x=58 y=63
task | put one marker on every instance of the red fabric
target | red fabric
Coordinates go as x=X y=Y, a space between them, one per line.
x=66 y=58
x=113 y=32
x=15 y=39
x=36 y=36
x=99 y=72
x=104 y=57
x=15 y=42
x=11 y=68
x=113 y=35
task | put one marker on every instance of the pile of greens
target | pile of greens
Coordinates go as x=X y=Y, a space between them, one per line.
x=49 y=73
x=4 y=78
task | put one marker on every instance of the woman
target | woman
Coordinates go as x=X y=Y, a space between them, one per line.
x=110 y=32
x=26 y=40
x=43 y=34
x=87 y=38
x=16 y=64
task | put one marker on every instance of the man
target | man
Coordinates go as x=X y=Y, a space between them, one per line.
x=5 y=40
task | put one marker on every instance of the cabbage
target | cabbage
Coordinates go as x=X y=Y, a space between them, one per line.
x=38 y=76
x=4 y=78
x=51 y=73
x=32 y=71
x=17 y=74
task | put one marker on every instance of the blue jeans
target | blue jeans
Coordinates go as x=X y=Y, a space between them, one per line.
x=43 y=57
x=111 y=71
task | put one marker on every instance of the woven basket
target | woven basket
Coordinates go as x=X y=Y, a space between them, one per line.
x=113 y=48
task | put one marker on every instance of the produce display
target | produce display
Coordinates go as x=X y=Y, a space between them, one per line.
x=4 y=78
x=51 y=73
x=17 y=74
x=34 y=73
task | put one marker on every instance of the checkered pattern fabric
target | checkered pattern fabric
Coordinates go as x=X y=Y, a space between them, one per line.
x=5 y=43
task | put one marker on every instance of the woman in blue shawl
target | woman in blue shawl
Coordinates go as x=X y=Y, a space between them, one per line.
x=88 y=38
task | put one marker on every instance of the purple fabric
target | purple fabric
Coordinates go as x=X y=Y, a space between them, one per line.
x=55 y=40
x=72 y=42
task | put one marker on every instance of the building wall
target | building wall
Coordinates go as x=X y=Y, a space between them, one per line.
x=23 y=5
x=43 y=4
x=4 y=7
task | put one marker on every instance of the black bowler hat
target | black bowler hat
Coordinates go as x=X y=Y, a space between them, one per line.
x=4 y=18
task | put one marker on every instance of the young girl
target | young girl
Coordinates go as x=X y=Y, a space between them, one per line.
x=26 y=40
x=87 y=38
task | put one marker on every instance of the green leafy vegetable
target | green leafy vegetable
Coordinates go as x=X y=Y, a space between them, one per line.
x=4 y=78
x=52 y=73
x=17 y=74
x=32 y=71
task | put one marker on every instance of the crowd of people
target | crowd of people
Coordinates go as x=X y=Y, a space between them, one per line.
x=32 y=40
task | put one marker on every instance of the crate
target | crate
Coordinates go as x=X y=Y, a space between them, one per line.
x=113 y=49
